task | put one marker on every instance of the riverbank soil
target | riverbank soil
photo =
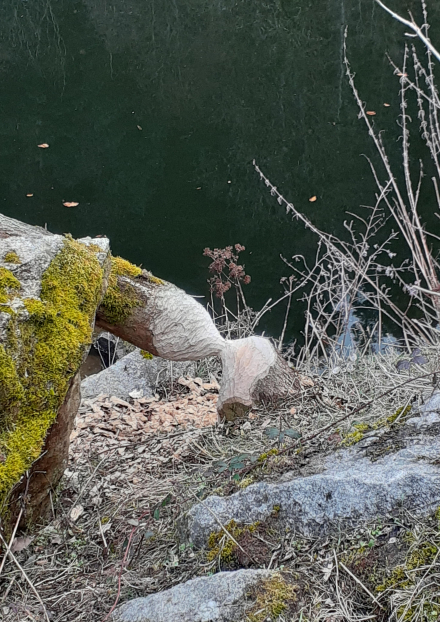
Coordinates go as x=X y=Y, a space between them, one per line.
x=117 y=528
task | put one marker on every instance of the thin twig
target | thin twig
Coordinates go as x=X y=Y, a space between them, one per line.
x=31 y=585
x=359 y=582
x=413 y=27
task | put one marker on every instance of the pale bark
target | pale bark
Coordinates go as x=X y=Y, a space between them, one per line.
x=171 y=324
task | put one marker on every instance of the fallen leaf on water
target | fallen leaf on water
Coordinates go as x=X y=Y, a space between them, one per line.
x=70 y=204
x=312 y=199
x=29 y=195
x=43 y=146
x=371 y=113
x=138 y=127
x=387 y=105
x=20 y=544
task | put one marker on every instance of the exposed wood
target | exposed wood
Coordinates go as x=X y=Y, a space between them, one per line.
x=171 y=324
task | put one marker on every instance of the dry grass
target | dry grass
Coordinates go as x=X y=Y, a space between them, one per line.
x=128 y=487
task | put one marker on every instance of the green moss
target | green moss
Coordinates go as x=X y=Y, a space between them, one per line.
x=155 y=280
x=357 y=435
x=265 y=456
x=359 y=429
x=120 y=300
x=273 y=597
x=11 y=390
x=147 y=355
x=42 y=353
x=405 y=577
x=220 y=544
x=245 y=482
x=12 y=257
x=7 y=282
x=392 y=418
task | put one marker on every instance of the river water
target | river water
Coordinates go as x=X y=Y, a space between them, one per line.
x=154 y=110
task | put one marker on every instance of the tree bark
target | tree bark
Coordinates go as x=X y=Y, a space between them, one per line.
x=171 y=324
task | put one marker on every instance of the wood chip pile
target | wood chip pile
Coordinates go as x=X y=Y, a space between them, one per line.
x=107 y=421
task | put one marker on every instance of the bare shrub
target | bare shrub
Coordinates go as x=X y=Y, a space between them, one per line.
x=357 y=274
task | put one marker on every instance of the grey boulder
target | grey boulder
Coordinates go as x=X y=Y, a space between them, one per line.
x=352 y=486
x=218 y=598
x=133 y=373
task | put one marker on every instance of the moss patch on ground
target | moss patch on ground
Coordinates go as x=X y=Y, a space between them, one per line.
x=274 y=596
x=360 y=429
x=42 y=353
x=119 y=301
x=220 y=544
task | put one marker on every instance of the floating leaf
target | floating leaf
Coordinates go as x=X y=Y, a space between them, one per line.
x=387 y=105
x=403 y=364
x=29 y=195
x=371 y=113
x=70 y=204
x=292 y=433
x=312 y=199
x=44 y=146
x=419 y=360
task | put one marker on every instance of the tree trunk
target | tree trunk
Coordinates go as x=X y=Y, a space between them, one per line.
x=169 y=323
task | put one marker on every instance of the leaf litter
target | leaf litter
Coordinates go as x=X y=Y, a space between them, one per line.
x=136 y=466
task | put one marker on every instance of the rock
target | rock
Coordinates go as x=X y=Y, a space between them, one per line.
x=133 y=373
x=50 y=286
x=112 y=348
x=351 y=486
x=429 y=412
x=218 y=598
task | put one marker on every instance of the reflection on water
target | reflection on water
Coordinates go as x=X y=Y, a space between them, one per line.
x=154 y=112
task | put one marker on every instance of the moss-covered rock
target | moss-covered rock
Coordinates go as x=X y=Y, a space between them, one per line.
x=43 y=342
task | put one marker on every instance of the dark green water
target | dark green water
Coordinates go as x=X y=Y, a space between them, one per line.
x=154 y=111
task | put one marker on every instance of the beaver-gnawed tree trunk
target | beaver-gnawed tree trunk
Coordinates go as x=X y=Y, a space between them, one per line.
x=164 y=320
x=51 y=290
